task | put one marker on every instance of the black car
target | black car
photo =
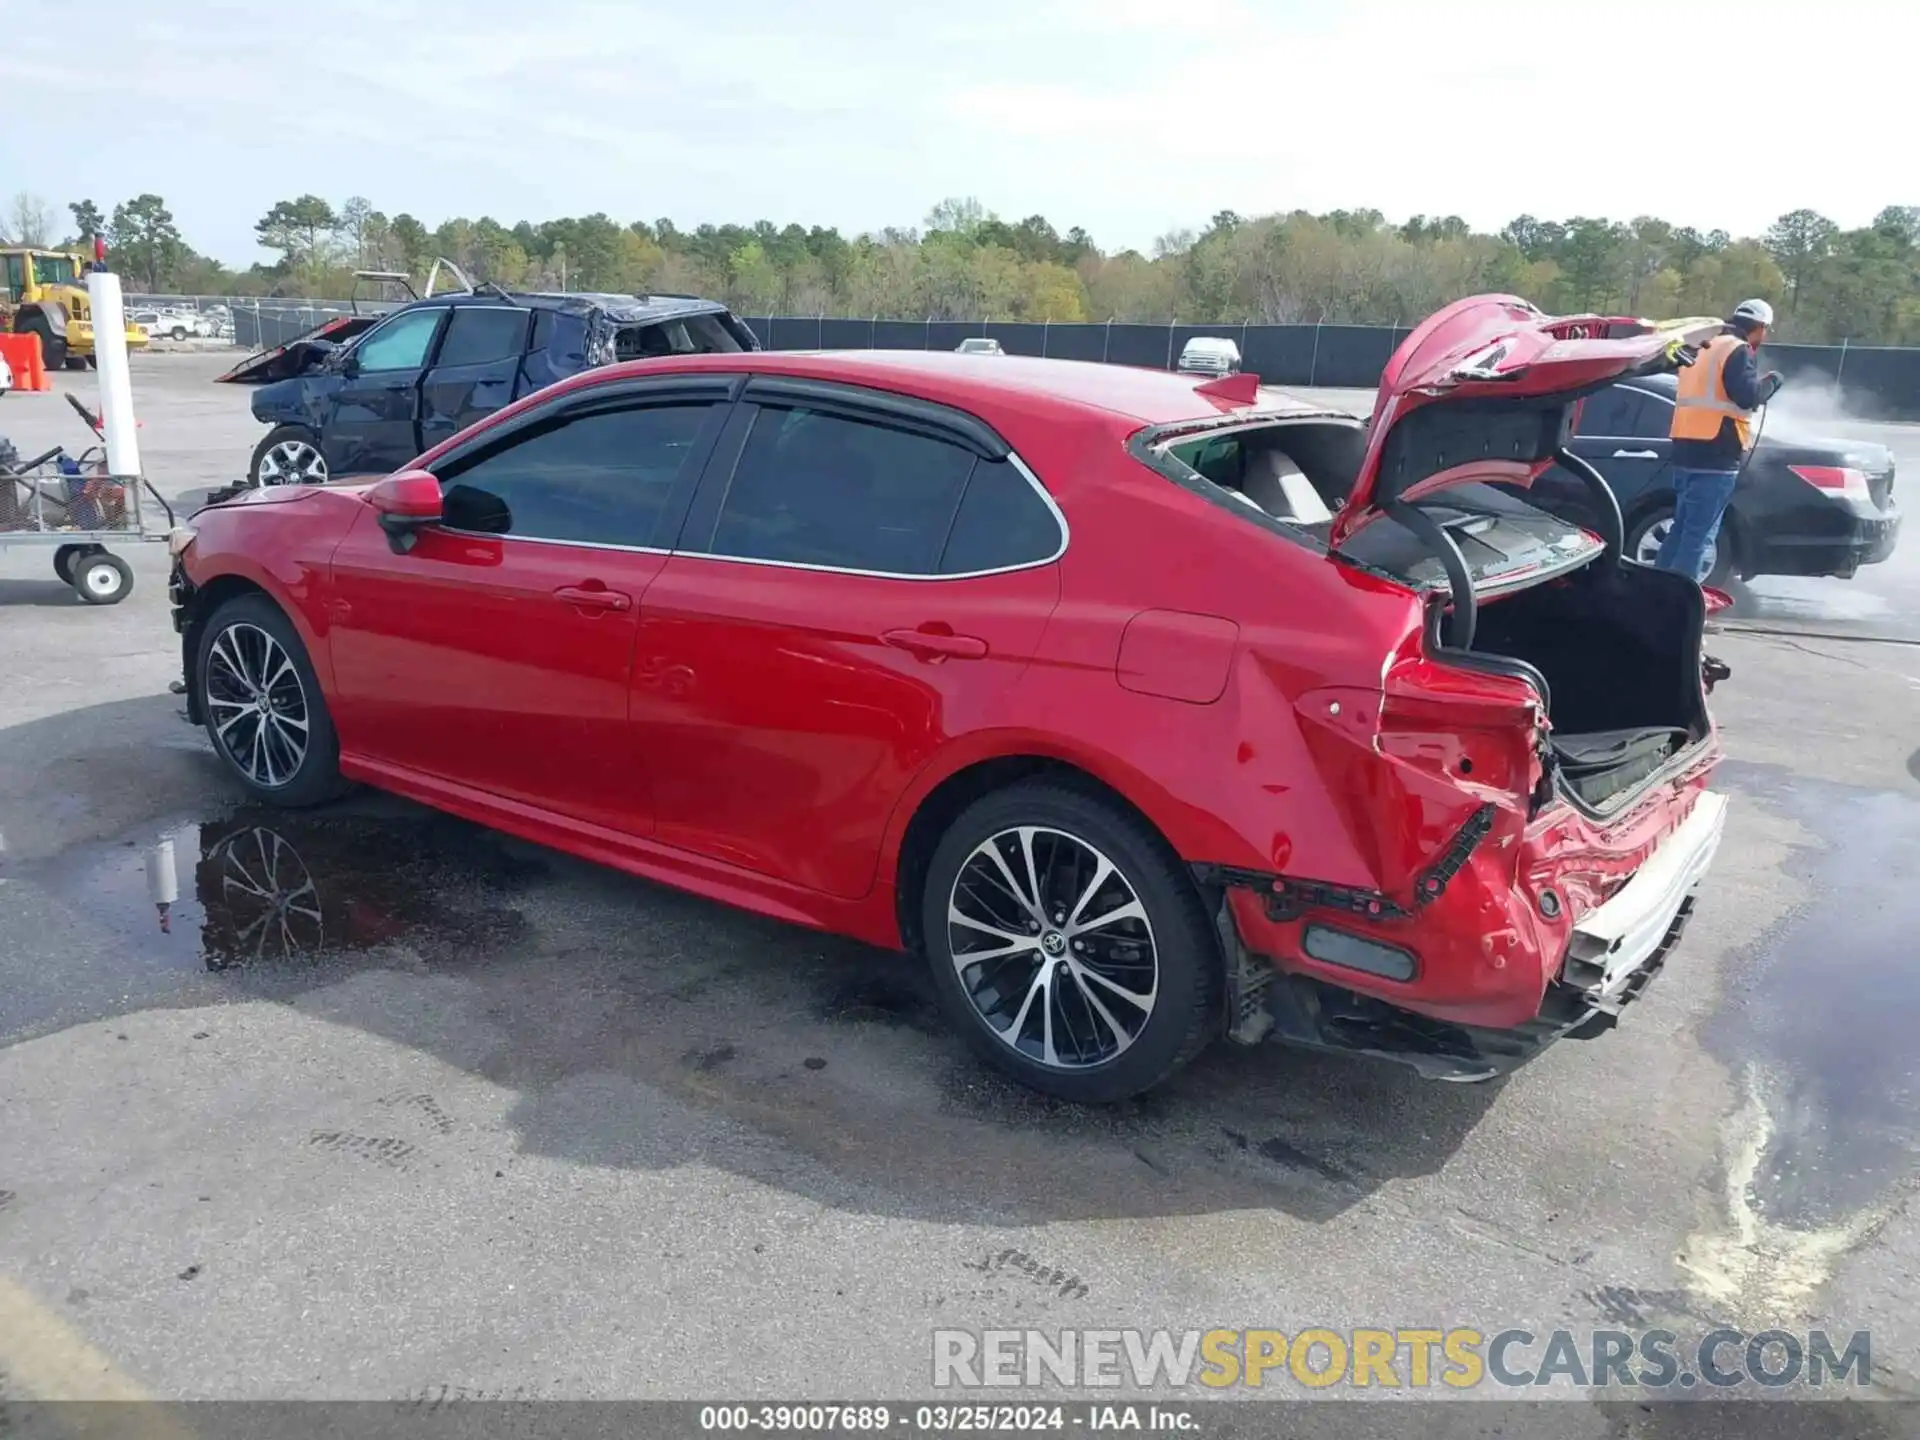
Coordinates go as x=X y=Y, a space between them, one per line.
x=1803 y=506
x=364 y=395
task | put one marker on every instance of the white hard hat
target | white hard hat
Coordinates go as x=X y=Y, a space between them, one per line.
x=1758 y=311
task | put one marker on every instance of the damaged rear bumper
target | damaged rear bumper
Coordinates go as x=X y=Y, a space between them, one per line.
x=1607 y=959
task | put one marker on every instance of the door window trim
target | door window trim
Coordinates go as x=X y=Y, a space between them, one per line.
x=851 y=403
x=650 y=393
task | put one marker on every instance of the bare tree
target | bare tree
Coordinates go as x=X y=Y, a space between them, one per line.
x=29 y=220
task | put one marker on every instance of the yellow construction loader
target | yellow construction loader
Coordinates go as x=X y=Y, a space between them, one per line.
x=44 y=293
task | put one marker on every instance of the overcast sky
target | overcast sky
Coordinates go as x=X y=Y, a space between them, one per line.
x=1128 y=117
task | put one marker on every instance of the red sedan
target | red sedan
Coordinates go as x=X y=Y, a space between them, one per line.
x=1150 y=709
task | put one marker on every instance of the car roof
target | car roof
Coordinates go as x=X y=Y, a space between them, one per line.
x=626 y=308
x=1145 y=397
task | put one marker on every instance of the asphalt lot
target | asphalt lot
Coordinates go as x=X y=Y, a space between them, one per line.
x=511 y=1125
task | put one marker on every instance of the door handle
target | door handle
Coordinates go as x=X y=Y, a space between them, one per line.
x=593 y=598
x=932 y=645
x=1636 y=454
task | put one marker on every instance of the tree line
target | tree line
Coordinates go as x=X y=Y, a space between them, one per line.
x=965 y=263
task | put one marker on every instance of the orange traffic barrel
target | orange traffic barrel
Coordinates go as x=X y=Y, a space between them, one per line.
x=23 y=357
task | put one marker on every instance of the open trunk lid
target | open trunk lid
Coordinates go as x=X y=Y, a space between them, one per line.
x=1484 y=390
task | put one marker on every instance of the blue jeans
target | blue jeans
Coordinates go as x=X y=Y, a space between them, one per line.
x=1699 y=500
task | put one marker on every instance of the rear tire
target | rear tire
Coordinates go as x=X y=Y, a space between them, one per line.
x=265 y=713
x=1099 y=987
x=1646 y=533
x=100 y=578
x=66 y=557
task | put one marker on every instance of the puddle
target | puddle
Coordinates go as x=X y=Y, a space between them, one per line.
x=264 y=891
x=1823 y=1018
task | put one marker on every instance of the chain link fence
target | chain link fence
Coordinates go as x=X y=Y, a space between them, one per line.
x=1879 y=381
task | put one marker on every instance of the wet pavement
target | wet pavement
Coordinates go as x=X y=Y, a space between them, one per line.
x=382 y=1103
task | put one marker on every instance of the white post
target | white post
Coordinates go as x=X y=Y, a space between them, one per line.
x=163 y=881
x=116 y=384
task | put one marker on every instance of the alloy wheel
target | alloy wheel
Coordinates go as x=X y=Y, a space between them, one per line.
x=270 y=904
x=293 y=462
x=1647 y=552
x=258 y=705
x=1052 y=947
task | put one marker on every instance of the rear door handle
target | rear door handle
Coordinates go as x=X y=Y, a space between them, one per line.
x=1636 y=454
x=595 y=598
x=931 y=645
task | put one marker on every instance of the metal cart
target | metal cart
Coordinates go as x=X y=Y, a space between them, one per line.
x=71 y=504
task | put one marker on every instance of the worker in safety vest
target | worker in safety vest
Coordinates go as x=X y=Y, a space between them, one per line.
x=1712 y=430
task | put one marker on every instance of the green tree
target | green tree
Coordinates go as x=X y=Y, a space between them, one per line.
x=88 y=221
x=1798 y=241
x=146 y=243
x=301 y=230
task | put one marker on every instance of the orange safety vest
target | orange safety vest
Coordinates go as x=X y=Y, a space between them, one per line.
x=1701 y=403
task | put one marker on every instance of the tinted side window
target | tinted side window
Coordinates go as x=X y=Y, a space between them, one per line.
x=562 y=337
x=401 y=343
x=1652 y=417
x=603 y=477
x=1002 y=522
x=478 y=334
x=820 y=489
x=1608 y=413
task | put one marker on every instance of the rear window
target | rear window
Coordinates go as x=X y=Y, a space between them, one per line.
x=688 y=335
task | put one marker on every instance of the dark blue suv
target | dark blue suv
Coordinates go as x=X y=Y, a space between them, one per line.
x=364 y=395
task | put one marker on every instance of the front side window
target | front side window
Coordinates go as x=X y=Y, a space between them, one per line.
x=55 y=270
x=401 y=343
x=598 y=477
x=16 y=277
x=820 y=489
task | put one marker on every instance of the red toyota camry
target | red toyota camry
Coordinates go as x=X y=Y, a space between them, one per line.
x=1148 y=709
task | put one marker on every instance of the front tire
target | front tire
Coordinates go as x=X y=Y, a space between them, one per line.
x=1069 y=945
x=289 y=455
x=265 y=713
x=78 y=362
x=53 y=352
x=100 y=578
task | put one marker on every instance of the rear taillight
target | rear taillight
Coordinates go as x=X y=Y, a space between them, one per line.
x=1836 y=480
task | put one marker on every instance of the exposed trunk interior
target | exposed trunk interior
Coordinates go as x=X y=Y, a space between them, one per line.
x=1618 y=646
x=1614 y=645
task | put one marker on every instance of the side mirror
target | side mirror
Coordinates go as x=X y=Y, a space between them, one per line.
x=403 y=504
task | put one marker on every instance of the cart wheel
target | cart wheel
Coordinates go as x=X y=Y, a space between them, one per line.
x=102 y=579
x=65 y=557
